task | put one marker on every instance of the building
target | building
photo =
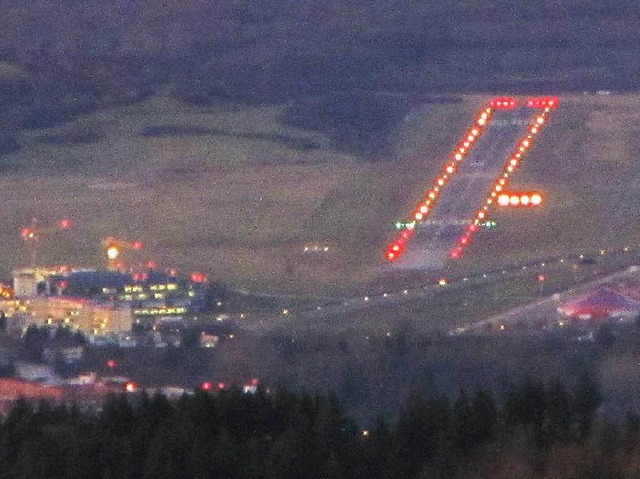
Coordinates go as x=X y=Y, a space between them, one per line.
x=99 y=302
x=89 y=316
x=602 y=303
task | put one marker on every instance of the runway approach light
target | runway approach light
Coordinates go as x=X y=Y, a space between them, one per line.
x=531 y=198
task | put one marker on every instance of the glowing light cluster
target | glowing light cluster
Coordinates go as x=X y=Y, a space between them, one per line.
x=543 y=102
x=504 y=103
x=424 y=208
x=531 y=198
x=496 y=194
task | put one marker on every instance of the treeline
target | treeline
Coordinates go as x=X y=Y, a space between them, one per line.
x=59 y=60
x=298 y=435
x=348 y=69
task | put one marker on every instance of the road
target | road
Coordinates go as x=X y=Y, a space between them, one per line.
x=543 y=311
x=465 y=193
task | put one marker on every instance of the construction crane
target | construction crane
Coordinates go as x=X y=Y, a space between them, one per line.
x=113 y=248
x=34 y=232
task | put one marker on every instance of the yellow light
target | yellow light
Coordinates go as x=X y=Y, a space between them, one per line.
x=418 y=216
x=481 y=121
x=458 y=157
x=514 y=162
x=113 y=252
x=474 y=132
x=540 y=120
x=514 y=200
x=440 y=182
x=450 y=169
x=524 y=199
x=424 y=209
x=503 y=200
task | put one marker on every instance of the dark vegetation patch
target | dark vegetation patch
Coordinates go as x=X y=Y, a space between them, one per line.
x=8 y=143
x=357 y=123
x=77 y=135
x=161 y=131
x=168 y=130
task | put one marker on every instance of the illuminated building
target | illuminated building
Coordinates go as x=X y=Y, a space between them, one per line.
x=92 y=317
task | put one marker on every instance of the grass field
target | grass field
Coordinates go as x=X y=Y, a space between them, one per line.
x=237 y=195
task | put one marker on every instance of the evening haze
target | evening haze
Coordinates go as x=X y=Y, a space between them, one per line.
x=287 y=239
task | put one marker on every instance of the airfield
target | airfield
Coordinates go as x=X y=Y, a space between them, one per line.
x=238 y=195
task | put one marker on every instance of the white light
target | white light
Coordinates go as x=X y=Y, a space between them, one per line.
x=112 y=252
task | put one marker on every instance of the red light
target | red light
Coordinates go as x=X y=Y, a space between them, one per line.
x=137 y=245
x=463 y=240
x=198 y=277
x=63 y=284
x=27 y=233
x=64 y=224
x=455 y=253
x=472 y=228
x=139 y=276
x=130 y=387
x=111 y=363
x=254 y=382
x=151 y=264
x=222 y=386
x=391 y=256
x=172 y=272
x=206 y=386
x=541 y=277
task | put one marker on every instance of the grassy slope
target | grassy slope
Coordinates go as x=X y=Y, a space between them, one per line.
x=241 y=210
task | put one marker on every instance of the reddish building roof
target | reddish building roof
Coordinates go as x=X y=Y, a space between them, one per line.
x=602 y=303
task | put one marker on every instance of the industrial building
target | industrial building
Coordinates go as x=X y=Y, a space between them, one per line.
x=98 y=302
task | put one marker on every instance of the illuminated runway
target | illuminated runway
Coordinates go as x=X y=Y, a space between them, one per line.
x=465 y=193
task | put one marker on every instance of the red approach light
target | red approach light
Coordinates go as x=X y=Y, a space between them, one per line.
x=63 y=284
x=27 y=233
x=222 y=386
x=65 y=223
x=391 y=256
x=541 y=278
x=206 y=386
x=111 y=363
x=151 y=264
x=137 y=245
x=172 y=272
x=455 y=253
x=463 y=240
